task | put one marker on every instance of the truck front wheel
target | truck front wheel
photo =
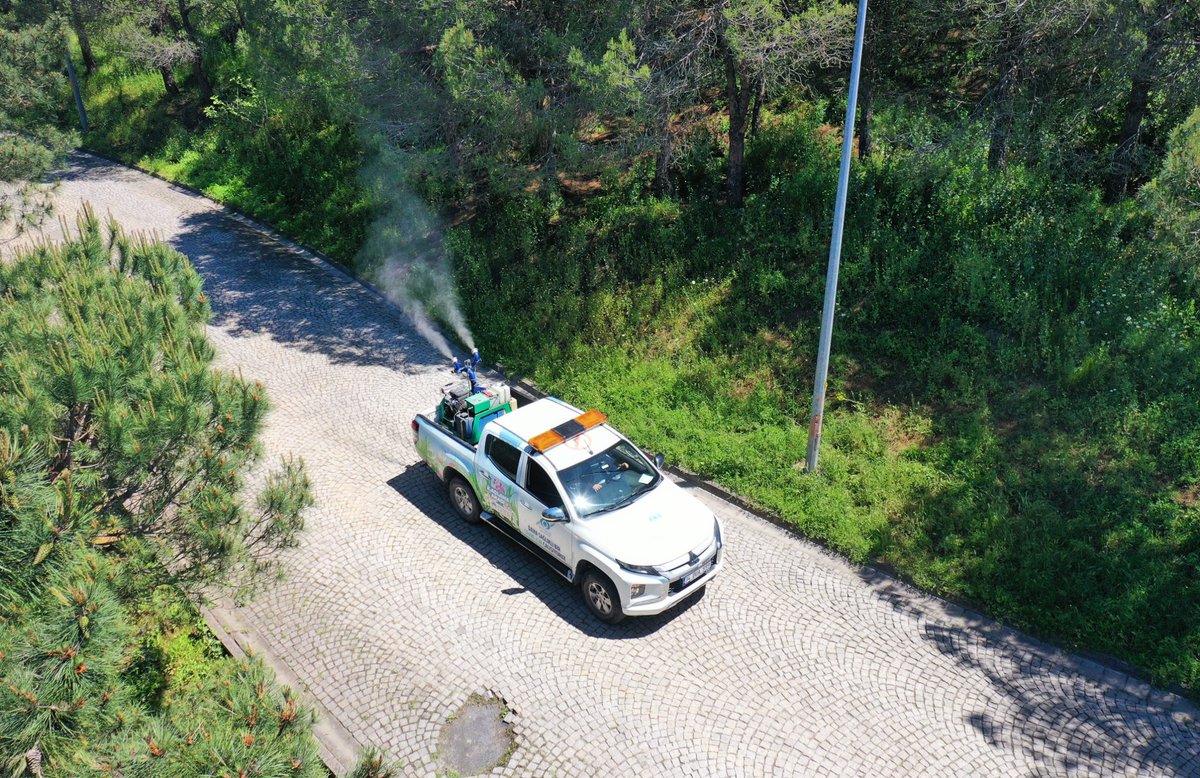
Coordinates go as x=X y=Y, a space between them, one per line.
x=463 y=499
x=601 y=597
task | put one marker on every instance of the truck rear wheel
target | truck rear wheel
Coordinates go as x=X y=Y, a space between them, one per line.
x=463 y=499
x=600 y=597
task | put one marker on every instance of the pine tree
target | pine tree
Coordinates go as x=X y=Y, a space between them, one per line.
x=371 y=764
x=32 y=43
x=237 y=723
x=106 y=373
x=62 y=656
x=121 y=454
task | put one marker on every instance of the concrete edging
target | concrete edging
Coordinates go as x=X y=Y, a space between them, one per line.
x=336 y=741
x=1109 y=671
x=339 y=749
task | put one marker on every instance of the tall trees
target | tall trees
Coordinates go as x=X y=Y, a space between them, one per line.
x=766 y=43
x=1012 y=45
x=31 y=83
x=643 y=83
x=1162 y=38
x=163 y=34
x=748 y=46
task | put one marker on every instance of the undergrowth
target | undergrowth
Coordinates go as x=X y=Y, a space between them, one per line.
x=1012 y=418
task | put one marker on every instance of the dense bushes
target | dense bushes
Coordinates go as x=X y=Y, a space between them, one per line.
x=122 y=459
x=1013 y=418
x=279 y=160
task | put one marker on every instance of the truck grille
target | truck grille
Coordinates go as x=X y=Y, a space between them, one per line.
x=677 y=586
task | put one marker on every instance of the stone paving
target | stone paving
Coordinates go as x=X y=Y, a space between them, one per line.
x=394 y=613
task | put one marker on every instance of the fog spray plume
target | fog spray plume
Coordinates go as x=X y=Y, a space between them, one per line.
x=406 y=257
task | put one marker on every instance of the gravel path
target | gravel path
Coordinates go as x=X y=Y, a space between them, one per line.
x=792 y=663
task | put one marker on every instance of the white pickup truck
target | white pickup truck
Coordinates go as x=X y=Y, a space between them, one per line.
x=577 y=494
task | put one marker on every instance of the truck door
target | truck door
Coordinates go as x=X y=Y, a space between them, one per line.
x=497 y=470
x=538 y=493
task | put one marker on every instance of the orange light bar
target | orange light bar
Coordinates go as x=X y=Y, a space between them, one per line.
x=546 y=440
x=592 y=418
x=580 y=424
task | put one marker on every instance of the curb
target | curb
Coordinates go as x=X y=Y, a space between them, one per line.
x=1110 y=671
x=1100 y=668
x=339 y=749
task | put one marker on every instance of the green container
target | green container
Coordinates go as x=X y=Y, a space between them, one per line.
x=480 y=403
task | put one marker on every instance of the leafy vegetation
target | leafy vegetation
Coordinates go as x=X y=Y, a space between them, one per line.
x=639 y=199
x=1013 y=417
x=281 y=161
x=121 y=462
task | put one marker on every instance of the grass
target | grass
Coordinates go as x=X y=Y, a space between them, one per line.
x=1011 y=416
x=177 y=651
x=279 y=164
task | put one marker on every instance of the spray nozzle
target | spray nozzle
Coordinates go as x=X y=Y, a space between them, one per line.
x=469 y=369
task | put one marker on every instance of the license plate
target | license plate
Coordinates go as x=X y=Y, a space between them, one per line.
x=700 y=571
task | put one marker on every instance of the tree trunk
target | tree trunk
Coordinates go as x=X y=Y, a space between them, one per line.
x=662 y=163
x=1002 y=111
x=201 y=78
x=164 y=21
x=739 y=88
x=168 y=77
x=1117 y=181
x=85 y=43
x=198 y=58
x=759 y=97
x=866 y=97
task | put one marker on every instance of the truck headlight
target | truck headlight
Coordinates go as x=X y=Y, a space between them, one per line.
x=639 y=569
x=717 y=531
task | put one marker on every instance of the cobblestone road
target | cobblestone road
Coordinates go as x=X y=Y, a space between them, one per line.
x=793 y=663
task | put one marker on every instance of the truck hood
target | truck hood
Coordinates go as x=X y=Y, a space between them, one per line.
x=660 y=526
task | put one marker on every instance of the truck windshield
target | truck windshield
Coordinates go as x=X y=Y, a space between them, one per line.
x=609 y=480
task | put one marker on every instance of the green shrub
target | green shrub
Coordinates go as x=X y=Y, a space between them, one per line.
x=1010 y=417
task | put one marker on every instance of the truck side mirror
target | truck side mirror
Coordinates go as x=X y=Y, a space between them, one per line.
x=659 y=461
x=554 y=514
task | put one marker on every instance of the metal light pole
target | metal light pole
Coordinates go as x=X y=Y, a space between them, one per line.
x=835 y=247
x=83 y=122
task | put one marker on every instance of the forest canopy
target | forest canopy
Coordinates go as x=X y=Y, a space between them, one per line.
x=635 y=199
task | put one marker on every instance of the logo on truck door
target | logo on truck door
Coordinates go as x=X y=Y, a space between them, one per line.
x=543 y=540
x=500 y=496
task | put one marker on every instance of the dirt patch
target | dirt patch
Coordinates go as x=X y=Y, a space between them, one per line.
x=578 y=187
x=1188 y=496
x=478 y=737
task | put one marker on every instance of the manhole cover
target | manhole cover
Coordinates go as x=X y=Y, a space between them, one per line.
x=476 y=738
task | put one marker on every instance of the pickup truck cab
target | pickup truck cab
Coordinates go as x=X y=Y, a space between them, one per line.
x=572 y=490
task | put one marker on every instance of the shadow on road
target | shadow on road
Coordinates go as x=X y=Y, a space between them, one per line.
x=531 y=575
x=1049 y=713
x=257 y=285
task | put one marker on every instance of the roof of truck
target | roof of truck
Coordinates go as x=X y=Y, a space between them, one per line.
x=541 y=415
x=537 y=417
